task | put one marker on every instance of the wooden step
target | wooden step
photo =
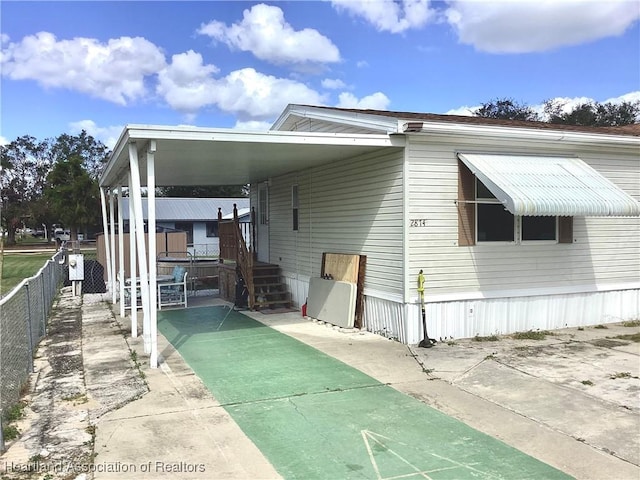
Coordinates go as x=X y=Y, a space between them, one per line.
x=268 y=287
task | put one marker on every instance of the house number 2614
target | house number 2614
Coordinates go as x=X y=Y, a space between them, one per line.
x=418 y=222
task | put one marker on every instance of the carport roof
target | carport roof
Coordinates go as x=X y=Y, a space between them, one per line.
x=206 y=156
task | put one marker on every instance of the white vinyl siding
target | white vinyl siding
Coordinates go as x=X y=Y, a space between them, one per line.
x=352 y=206
x=606 y=249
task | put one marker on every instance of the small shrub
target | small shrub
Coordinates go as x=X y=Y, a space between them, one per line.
x=15 y=412
x=489 y=338
x=631 y=323
x=620 y=375
x=587 y=382
x=531 y=335
x=10 y=432
x=633 y=337
x=78 y=398
x=601 y=327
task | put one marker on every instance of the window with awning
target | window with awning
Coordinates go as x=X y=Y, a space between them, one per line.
x=514 y=198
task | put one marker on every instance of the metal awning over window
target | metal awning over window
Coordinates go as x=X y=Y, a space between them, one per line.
x=538 y=186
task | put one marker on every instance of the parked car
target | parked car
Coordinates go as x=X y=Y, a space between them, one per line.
x=60 y=235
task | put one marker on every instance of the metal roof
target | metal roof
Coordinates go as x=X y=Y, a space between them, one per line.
x=539 y=186
x=206 y=156
x=188 y=209
x=242 y=212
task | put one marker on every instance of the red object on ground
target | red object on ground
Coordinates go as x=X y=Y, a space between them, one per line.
x=304 y=310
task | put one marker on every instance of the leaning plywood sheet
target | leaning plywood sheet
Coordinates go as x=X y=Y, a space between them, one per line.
x=332 y=301
x=341 y=266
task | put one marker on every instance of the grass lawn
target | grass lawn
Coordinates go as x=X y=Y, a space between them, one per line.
x=16 y=267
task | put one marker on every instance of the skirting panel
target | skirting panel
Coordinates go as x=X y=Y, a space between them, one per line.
x=299 y=289
x=466 y=319
x=385 y=317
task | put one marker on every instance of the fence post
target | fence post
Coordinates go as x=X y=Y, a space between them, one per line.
x=29 y=332
x=43 y=281
x=1 y=432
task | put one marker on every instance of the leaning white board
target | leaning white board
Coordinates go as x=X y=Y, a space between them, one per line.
x=332 y=301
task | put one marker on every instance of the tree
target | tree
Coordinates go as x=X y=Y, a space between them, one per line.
x=94 y=153
x=25 y=164
x=557 y=111
x=593 y=113
x=73 y=195
x=506 y=109
x=205 y=191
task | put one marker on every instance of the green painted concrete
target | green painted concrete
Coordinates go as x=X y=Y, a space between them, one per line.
x=314 y=417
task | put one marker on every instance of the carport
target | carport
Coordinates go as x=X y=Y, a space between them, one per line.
x=149 y=156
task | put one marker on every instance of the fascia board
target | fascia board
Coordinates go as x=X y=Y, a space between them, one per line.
x=120 y=152
x=554 y=136
x=355 y=119
x=274 y=137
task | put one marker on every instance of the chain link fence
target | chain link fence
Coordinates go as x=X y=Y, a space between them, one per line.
x=23 y=323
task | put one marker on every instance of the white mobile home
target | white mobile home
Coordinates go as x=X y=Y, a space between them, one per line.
x=516 y=225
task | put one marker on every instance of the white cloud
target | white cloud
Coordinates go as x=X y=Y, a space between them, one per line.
x=376 y=101
x=464 y=111
x=627 y=97
x=253 y=126
x=188 y=85
x=107 y=135
x=538 y=25
x=389 y=15
x=114 y=71
x=265 y=33
x=333 y=83
x=568 y=105
x=362 y=64
x=251 y=94
x=4 y=141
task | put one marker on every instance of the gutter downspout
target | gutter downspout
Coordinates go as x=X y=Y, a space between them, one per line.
x=406 y=250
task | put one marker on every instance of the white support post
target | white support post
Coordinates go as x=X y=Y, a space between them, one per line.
x=133 y=266
x=153 y=252
x=121 y=251
x=112 y=249
x=136 y=196
x=105 y=227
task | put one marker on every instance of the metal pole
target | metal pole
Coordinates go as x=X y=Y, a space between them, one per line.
x=1 y=432
x=29 y=332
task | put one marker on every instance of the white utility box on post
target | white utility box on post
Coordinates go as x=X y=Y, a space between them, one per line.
x=76 y=273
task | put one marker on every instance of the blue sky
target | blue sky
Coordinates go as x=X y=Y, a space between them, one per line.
x=101 y=65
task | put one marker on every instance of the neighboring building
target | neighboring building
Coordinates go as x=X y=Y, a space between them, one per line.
x=516 y=225
x=198 y=217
